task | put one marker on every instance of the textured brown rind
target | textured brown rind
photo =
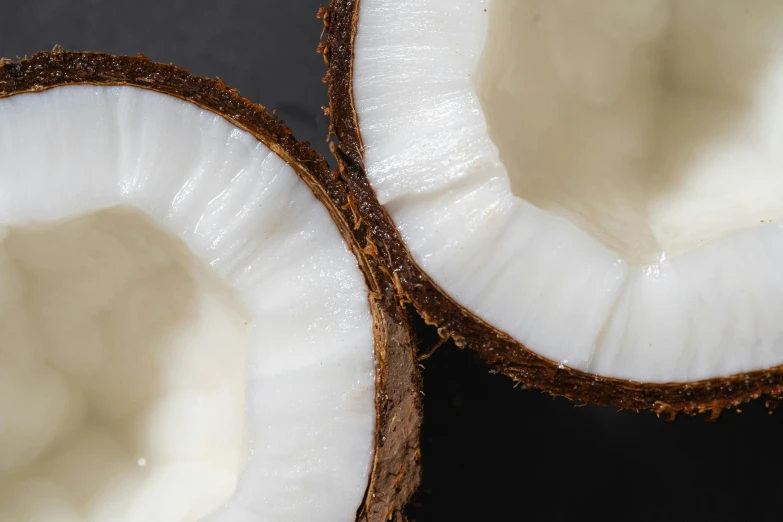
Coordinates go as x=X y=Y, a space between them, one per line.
x=499 y=350
x=396 y=471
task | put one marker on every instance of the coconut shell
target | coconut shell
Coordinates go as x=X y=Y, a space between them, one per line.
x=395 y=470
x=497 y=349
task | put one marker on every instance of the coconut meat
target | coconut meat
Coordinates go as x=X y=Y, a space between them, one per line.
x=183 y=333
x=600 y=180
x=646 y=123
x=122 y=373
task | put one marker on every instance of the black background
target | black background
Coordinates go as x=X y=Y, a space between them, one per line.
x=490 y=451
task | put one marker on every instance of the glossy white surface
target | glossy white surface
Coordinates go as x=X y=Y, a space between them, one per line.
x=309 y=397
x=544 y=274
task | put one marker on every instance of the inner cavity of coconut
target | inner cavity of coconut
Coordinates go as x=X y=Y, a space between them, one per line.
x=122 y=374
x=655 y=125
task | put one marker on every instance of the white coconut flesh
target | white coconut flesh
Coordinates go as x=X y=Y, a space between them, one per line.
x=601 y=180
x=184 y=335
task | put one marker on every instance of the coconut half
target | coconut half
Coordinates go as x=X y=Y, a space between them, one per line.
x=587 y=193
x=189 y=329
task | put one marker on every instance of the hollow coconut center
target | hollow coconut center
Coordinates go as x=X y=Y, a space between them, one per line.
x=654 y=125
x=122 y=374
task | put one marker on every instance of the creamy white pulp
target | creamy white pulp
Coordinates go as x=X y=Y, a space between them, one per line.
x=122 y=374
x=156 y=402
x=653 y=124
x=602 y=180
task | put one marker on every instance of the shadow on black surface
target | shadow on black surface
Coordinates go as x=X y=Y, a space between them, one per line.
x=266 y=48
x=494 y=452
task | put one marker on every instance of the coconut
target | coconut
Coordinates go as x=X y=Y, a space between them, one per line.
x=585 y=193
x=191 y=326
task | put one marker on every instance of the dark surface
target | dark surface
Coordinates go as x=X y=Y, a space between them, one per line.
x=495 y=453
x=491 y=452
x=263 y=48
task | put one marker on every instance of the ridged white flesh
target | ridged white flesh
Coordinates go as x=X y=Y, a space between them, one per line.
x=597 y=179
x=184 y=334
